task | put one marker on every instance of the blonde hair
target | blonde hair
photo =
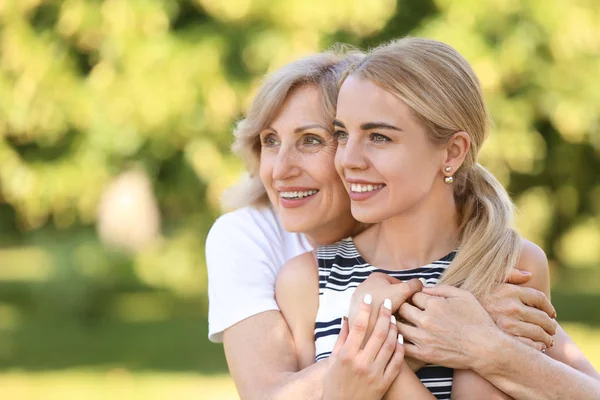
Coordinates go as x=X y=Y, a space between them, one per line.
x=444 y=94
x=323 y=70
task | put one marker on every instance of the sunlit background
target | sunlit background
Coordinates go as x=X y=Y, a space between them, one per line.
x=115 y=124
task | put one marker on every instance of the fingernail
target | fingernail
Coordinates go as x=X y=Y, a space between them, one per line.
x=525 y=272
x=400 y=338
x=423 y=281
x=342 y=323
x=387 y=303
x=552 y=343
x=544 y=349
x=368 y=299
x=554 y=314
x=393 y=320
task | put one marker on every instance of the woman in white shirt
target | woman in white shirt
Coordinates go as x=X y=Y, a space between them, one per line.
x=287 y=136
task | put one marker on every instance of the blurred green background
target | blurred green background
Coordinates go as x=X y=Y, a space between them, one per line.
x=115 y=127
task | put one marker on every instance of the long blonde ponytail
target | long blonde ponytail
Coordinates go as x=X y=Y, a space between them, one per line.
x=488 y=246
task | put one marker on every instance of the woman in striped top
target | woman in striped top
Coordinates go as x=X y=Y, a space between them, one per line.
x=410 y=122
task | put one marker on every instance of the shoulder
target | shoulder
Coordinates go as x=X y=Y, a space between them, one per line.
x=533 y=259
x=297 y=276
x=245 y=219
x=297 y=289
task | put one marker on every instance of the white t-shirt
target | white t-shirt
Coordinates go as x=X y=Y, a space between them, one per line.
x=245 y=249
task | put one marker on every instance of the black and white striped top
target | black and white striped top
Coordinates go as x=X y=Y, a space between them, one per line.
x=341 y=270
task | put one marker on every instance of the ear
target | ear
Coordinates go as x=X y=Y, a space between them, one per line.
x=456 y=151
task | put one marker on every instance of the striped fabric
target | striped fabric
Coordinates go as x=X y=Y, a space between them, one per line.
x=341 y=270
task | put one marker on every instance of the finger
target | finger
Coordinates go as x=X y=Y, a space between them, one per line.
x=341 y=338
x=525 y=329
x=538 y=317
x=357 y=333
x=444 y=291
x=387 y=349
x=536 y=345
x=420 y=300
x=401 y=292
x=409 y=333
x=380 y=332
x=518 y=277
x=394 y=366
x=413 y=350
x=410 y=313
x=537 y=299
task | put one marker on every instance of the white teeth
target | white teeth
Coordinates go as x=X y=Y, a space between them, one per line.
x=358 y=188
x=297 y=195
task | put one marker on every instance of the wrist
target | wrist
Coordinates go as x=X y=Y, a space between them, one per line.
x=489 y=359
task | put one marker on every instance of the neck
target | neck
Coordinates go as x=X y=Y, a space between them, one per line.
x=416 y=237
x=334 y=232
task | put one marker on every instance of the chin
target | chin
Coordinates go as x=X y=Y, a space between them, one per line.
x=366 y=217
x=295 y=226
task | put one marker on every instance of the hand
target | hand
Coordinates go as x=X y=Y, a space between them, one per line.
x=450 y=328
x=381 y=286
x=522 y=312
x=367 y=373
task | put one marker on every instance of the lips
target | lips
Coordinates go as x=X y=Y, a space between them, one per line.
x=361 y=190
x=292 y=197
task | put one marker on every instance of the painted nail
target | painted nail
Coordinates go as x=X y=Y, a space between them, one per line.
x=525 y=272
x=552 y=343
x=423 y=281
x=544 y=349
x=368 y=299
x=400 y=338
x=393 y=320
x=387 y=303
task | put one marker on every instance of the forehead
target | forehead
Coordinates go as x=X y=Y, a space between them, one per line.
x=303 y=105
x=360 y=100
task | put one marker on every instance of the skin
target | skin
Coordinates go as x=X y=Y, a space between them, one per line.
x=260 y=350
x=414 y=206
x=295 y=146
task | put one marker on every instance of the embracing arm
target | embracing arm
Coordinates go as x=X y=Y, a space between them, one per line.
x=561 y=348
x=455 y=321
x=262 y=361
x=243 y=312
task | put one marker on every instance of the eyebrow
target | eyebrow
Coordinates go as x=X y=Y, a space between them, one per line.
x=310 y=126
x=379 y=125
x=301 y=128
x=369 y=125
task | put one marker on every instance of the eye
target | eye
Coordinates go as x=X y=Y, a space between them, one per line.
x=269 y=140
x=340 y=136
x=312 y=140
x=379 y=138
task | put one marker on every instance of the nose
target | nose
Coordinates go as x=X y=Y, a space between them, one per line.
x=287 y=164
x=353 y=156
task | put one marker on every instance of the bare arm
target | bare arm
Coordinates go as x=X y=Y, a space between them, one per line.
x=408 y=386
x=460 y=334
x=262 y=361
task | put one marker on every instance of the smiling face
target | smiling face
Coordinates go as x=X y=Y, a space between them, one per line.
x=297 y=169
x=384 y=155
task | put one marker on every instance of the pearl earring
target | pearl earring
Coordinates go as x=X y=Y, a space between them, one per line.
x=448 y=179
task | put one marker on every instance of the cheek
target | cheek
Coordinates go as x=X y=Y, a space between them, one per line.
x=339 y=155
x=265 y=170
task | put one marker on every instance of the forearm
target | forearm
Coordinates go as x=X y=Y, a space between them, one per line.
x=408 y=386
x=524 y=373
x=302 y=385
